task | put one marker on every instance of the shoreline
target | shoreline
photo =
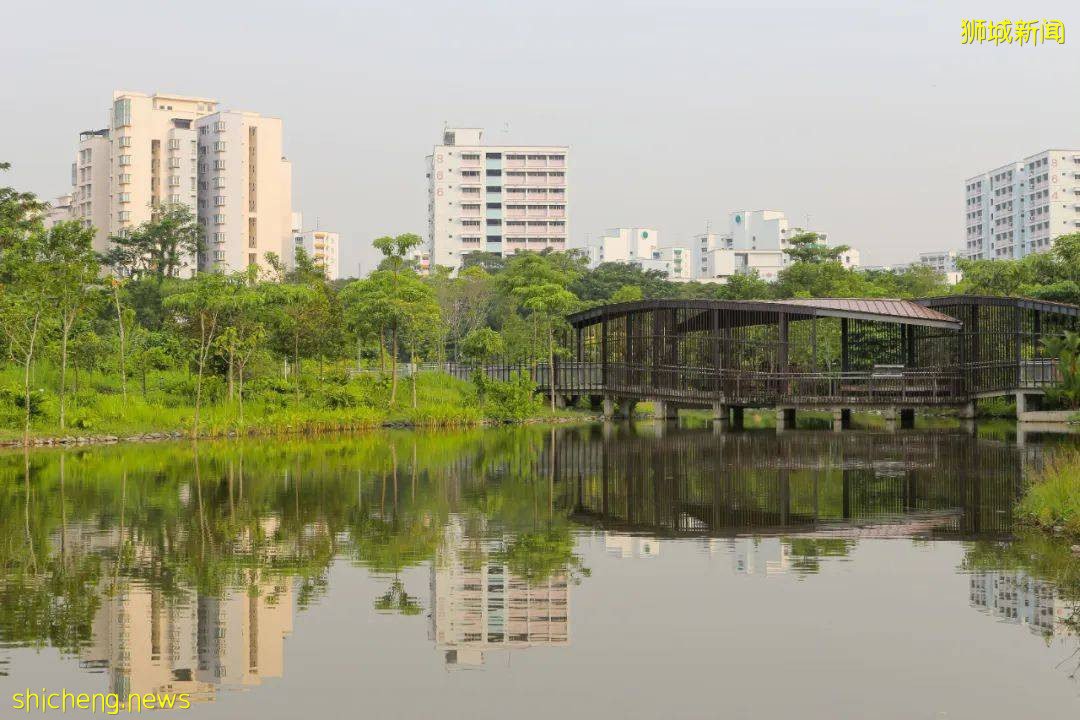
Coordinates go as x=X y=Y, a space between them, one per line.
x=283 y=431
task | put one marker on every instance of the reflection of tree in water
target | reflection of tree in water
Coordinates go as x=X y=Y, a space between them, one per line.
x=77 y=528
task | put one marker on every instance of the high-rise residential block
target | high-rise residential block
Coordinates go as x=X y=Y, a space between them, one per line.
x=323 y=249
x=494 y=198
x=90 y=184
x=1021 y=207
x=153 y=155
x=160 y=150
x=244 y=190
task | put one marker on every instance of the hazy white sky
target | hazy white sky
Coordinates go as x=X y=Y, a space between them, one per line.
x=866 y=117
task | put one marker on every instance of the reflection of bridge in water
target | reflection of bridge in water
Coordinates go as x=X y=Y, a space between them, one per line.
x=849 y=485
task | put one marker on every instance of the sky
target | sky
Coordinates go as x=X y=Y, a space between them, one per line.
x=860 y=119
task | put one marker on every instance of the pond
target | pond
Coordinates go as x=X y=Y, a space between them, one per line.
x=589 y=571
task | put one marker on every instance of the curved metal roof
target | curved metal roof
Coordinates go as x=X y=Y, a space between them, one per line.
x=906 y=312
x=1002 y=300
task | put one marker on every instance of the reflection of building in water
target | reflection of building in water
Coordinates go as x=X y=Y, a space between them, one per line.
x=759 y=556
x=1017 y=597
x=155 y=643
x=632 y=546
x=478 y=604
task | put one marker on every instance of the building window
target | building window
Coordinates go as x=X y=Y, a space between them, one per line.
x=125 y=160
x=219 y=146
x=494 y=156
x=122 y=112
x=219 y=200
x=219 y=237
x=219 y=182
x=219 y=126
x=123 y=215
x=494 y=206
x=494 y=173
x=219 y=219
x=123 y=141
x=124 y=197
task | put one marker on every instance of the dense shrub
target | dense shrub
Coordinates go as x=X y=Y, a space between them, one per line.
x=511 y=401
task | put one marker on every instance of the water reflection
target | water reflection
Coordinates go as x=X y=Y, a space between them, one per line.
x=174 y=569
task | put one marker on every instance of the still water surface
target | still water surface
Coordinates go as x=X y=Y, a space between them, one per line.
x=535 y=573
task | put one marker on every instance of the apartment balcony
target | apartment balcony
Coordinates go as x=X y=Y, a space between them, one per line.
x=541 y=162
x=537 y=212
x=508 y=163
x=511 y=179
x=536 y=179
x=515 y=213
x=556 y=212
x=556 y=162
x=470 y=212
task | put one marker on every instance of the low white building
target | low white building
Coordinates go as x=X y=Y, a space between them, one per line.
x=622 y=245
x=673 y=261
x=943 y=261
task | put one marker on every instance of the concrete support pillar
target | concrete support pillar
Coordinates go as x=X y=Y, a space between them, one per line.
x=560 y=401
x=665 y=410
x=736 y=418
x=785 y=418
x=1026 y=403
x=609 y=407
x=967 y=412
x=907 y=419
x=720 y=411
x=841 y=419
x=891 y=416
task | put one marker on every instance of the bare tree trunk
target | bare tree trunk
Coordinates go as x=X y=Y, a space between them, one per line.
x=393 y=366
x=65 y=333
x=551 y=368
x=123 y=358
x=230 y=370
x=26 y=376
x=240 y=391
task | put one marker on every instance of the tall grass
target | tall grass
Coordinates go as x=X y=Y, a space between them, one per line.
x=1053 y=499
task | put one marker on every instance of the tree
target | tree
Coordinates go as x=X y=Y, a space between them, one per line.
x=152 y=350
x=466 y=300
x=198 y=310
x=25 y=301
x=809 y=247
x=296 y=314
x=483 y=345
x=627 y=293
x=72 y=271
x=20 y=213
x=420 y=321
x=395 y=251
x=745 y=286
x=1067 y=349
x=539 y=287
x=170 y=242
x=601 y=283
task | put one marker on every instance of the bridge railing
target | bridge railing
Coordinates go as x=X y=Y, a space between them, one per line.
x=886 y=385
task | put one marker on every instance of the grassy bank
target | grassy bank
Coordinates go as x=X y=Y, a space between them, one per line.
x=327 y=402
x=1053 y=499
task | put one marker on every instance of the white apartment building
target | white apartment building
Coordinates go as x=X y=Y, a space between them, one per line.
x=323 y=249
x=755 y=241
x=244 y=189
x=672 y=260
x=1021 y=207
x=90 y=174
x=944 y=261
x=621 y=245
x=153 y=158
x=495 y=198
x=58 y=211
